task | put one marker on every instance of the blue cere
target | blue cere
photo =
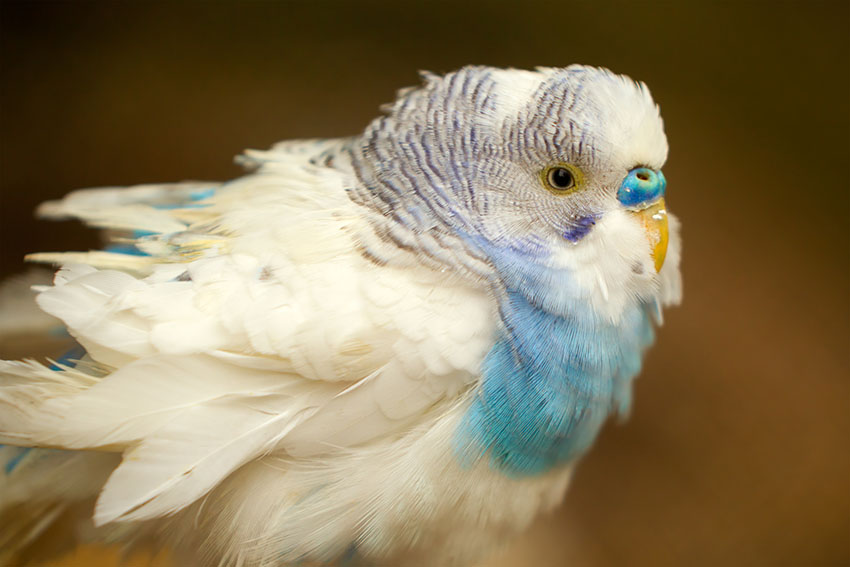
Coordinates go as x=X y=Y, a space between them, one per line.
x=641 y=185
x=548 y=384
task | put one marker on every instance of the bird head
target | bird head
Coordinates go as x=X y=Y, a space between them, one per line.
x=551 y=179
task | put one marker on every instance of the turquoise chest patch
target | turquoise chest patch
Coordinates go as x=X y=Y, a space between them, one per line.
x=547 y=386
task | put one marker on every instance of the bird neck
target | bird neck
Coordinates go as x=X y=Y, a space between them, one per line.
x=548 y=384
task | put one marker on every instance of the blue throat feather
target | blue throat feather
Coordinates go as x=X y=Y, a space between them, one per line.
x=550 y=380
x=436 y=176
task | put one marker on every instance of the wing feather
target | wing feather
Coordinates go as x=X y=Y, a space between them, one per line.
x=254 y=327
x=192 y=453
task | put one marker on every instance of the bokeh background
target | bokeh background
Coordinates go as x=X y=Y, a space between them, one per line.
x=737 y=451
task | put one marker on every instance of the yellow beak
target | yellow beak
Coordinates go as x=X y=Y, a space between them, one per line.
x=654 y=221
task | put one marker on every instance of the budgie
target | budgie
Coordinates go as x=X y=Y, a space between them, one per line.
x=387 y=349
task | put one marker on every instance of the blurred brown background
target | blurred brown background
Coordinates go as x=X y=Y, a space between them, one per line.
x=737 y=450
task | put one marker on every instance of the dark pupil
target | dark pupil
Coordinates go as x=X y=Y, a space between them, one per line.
x=561 y=178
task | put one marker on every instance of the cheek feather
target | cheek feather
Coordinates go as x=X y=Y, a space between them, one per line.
x=610 y=265
x=580 y=228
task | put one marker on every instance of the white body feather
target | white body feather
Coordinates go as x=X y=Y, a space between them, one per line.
x=290 y=344
x=276 y=395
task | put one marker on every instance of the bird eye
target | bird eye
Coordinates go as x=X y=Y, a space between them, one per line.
x=561 y=179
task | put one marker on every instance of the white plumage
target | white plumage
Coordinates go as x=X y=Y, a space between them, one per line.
x=292 y=340
x=276 y=391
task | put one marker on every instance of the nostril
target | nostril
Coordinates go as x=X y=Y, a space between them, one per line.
x=643 y=176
